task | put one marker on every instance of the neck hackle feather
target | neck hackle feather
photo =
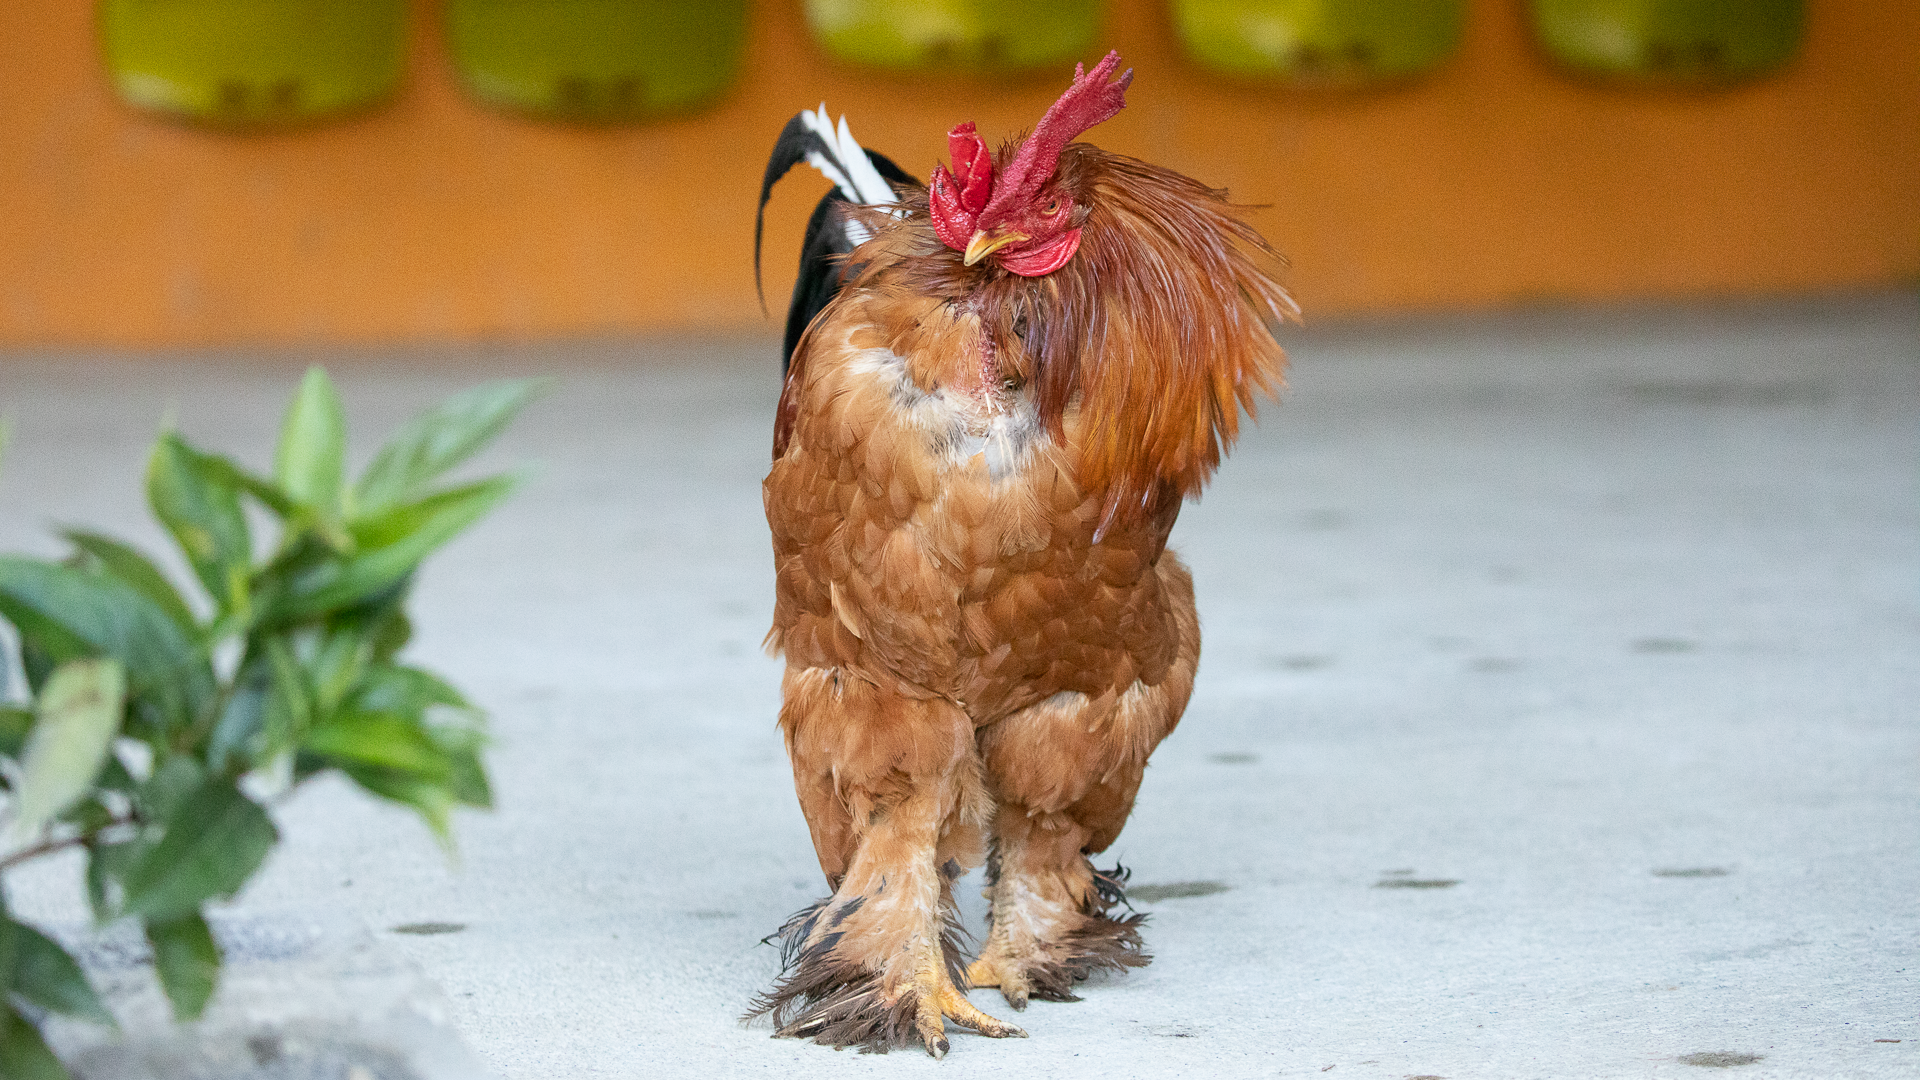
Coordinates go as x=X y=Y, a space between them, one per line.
x=1143 y=350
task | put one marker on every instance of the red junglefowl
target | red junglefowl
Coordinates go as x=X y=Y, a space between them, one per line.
x=1000 y=389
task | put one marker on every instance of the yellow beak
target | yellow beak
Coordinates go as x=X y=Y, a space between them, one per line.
x=983 y=245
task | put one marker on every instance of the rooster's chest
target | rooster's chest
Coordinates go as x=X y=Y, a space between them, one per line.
x=926 y=530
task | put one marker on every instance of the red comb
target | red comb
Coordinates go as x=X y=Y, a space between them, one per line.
x=972 y=166
x=1091 y=100
x=956 y=198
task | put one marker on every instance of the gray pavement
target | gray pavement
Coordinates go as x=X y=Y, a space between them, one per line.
x=306 y=994
x=1556 y=717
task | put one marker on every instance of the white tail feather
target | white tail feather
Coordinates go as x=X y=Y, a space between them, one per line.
x=847 y=167
x=874 y=189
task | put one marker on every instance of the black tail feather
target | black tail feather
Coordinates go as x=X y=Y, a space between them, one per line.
x=790 y=149
x=827 y=239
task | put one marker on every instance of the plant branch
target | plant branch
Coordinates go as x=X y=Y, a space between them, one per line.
x=51 y=845
x=45 y=847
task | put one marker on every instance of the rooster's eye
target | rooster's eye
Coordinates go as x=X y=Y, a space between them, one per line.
x=1051 y=208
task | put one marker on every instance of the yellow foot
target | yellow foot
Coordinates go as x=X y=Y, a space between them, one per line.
x=992 y=970
x=940 y=999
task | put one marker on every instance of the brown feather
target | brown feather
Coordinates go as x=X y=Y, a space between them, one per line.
x=1159 y=332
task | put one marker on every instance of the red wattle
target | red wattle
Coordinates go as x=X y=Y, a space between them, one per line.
x=1043 y=259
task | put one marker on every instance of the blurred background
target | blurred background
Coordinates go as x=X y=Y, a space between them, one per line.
x=1562 y=633
x=462 y=169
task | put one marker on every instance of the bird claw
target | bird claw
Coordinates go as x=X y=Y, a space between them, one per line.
x=942 y=1001
x=1019 y=978
x=1011 y=981
x=961 y=1011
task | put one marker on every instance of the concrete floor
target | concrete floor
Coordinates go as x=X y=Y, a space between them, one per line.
x=1608 y=618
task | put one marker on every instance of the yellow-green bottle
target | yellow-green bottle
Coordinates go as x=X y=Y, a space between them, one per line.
x=597 y=60
x=985 y=36
x=250 y=63
x=1674 y=42
x=1319 y=42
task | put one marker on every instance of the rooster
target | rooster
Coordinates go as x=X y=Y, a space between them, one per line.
x=1000 y=387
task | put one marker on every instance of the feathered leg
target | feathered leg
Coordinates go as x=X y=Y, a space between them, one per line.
x=892 y=793
x=1065 y=773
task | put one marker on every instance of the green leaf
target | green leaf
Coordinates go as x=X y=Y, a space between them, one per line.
x=89 y=815
x=433 y=800
x=392 y=545
x=225 y=470
x=236 y=735
x=467 y=777
x=214 y=841
x=38 y=599
x=137 y=571
x=202 y=510
x=337 y=667
x=303 y=555
x=115 y=777
x=14 y=724
x=439 y=439
x=432 y=521
x=311 y=460
x=35 y=660
x=380 y=739
x=271 y=706
x=44 y=974
x=290 y=708
x=389 y=634
x=172 y=781
x=429 y=767
x=64 y=614
x=187 y=959
x=107 y=866
x=397 y=690
x=79 y=713
x=9 y=943
x=23 y=1054
x=404 y=535
x=409 y=691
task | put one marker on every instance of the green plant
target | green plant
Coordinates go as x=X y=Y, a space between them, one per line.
x=153 y=732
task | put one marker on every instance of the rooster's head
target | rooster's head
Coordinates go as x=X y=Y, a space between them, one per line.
x=1023 y=219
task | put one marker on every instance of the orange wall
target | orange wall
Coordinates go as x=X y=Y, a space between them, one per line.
x=1494 y=181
